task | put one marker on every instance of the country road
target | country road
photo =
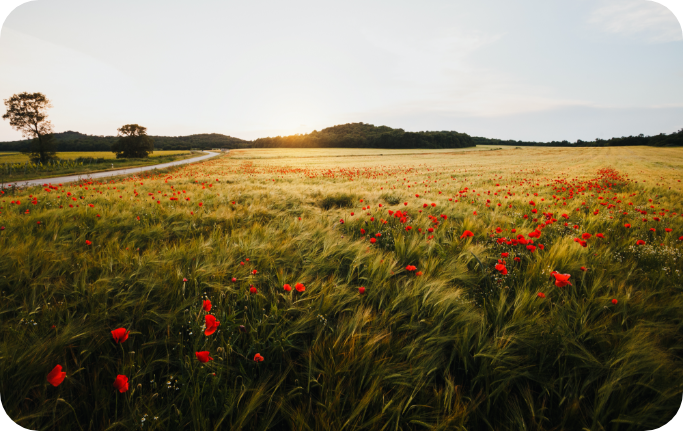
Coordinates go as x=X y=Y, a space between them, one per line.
x=117 y=172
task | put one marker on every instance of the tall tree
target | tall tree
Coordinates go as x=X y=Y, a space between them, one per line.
x=133 y=142
x=26 y=113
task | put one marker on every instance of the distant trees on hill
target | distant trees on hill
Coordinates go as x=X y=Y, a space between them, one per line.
x=75 y=141
x=662 y=140
x=361 y=135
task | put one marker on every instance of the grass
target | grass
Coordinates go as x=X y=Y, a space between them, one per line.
x=15 y=167
x=453 y=344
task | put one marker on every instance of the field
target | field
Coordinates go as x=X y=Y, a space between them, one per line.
x=534 y=288
x=72 y=155
x=15 y=167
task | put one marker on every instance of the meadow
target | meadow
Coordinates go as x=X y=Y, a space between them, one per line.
x=535 y=288
x=17 y=166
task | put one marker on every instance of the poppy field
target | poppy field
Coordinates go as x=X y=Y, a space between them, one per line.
x=534 y=288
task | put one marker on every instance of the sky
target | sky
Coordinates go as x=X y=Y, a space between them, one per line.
x=527 y=70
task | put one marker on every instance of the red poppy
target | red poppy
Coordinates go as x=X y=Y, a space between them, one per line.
x=640 y=242
x=668 y=229
x=541 y=295
x=585 y=235
x=531 y=248
x=203 y=357
x=627 y=225
x=362 y=231
x=252 y=290
x=500 y=267
x=121 y=383
x=120 y=335
x=288 y=288
x=206 y=305
x=373 y=240
x=504 y=254
x=299 y=287
x=254 y=272
x=411 y=268
x=466 y=234
x=234 y=279
x=258 y=358
x=583 y=268
x=599 y=235
x=56 y=376
x=561 y=280
x=184 y=280
x=211 y=324
x=517 y=259
x=614 y=301
x=88 y=242
x=361 y=290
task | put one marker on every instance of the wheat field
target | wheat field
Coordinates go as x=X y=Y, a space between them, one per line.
x=496 y=289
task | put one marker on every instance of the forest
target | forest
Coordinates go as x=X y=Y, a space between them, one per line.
x=662 y=140
x=75 y=141
x=363 y=135
x=352 y=135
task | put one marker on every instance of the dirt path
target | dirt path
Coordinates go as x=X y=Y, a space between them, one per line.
x=117 y=172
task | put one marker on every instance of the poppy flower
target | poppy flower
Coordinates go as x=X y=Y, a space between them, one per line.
x=184 y=280
x=541 y=295
x=121 y=383
x=252 y=290
x=585 y=235
x=362 y=231
x=56 y=376
x=614 y=301
x=234 y=279
x=299 y=287
x=411 y=268
x=504 y=254
x=561 y=280
x=640 y=242
x=258 y=358
x=531 y=248
x=361 y=290
x=503 y=270
x=288 y=288
x=88 y=242
x=373 y=240
x=211 y=324
x=254 y=272
x=627 y=225
x=120 y=335
x=203 y=357
x=583 y=268
x=668 y=229
x=466 y=234
x=517 y=259
x=206 y=305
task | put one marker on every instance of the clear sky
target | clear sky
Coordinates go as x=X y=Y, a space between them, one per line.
x=533 y=70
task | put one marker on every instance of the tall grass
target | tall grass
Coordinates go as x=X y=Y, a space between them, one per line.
x=457 y=346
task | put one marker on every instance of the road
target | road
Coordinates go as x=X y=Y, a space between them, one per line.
x=117 y=172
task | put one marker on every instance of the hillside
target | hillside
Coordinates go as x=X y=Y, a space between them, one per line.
x=362 y=135
x=75 y=141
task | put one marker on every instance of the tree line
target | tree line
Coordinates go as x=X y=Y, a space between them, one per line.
x=674 y=139
x=362 y=135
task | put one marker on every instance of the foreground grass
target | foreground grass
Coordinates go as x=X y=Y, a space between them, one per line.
x=454 y=344
x=92 y=164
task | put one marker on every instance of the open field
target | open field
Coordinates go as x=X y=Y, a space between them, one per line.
x=279 y=153
x=14 y=167
x=538 y=289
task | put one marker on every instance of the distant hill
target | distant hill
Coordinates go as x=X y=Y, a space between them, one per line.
x=362 y=135
x=662 y=140
x=75 y=141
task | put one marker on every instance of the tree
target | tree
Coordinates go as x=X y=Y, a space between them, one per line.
x=133 y=142
x=26 y=114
